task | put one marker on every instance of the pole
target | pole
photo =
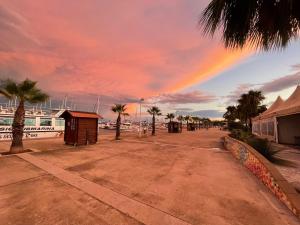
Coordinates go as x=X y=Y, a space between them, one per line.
x=140 y=127
x=97 y=107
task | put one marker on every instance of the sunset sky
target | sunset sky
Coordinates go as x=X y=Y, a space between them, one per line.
x=124 y=50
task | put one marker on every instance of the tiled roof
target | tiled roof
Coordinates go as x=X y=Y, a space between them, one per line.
x=81 y=114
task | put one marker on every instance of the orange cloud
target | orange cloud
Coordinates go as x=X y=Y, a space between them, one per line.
x=217 y=61
x=106 y=48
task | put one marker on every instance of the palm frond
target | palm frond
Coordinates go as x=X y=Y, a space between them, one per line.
x=5 y=93
x=36 y=96
x=262 y=24
x=154 y=110
x=119 y=108
x=9 y=88
x=26 y=86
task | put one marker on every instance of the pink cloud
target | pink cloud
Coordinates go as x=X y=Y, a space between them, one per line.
x=131 y=48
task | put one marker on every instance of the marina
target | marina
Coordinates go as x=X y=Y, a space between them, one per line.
x=150 y=112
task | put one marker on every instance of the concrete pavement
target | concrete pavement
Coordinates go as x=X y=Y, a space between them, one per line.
x=186 y=178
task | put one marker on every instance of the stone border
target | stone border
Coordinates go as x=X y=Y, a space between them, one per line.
x=265 y=172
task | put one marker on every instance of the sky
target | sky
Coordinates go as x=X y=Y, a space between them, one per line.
x=121 y=51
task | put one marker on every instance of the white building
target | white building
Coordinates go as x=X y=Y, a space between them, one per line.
x=281 y=122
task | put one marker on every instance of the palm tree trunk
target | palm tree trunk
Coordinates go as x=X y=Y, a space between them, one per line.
x=17 y=129
x=153 y=125
x=118 y=128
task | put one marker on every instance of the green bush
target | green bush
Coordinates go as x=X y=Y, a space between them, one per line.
x=235 y=125
x=240 y=134
x=260 y=145
x=263 y=146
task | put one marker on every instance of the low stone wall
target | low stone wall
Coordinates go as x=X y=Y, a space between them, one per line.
x=266 y=172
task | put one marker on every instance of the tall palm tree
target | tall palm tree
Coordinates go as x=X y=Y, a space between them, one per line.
x=196 y=120
x=170 y=117
x=249 y=106
x=180 y=118
x=187 y=119
x=266 y=24
x=154 y=111
x=231 y=114
x=25 y=91
x=120 y=110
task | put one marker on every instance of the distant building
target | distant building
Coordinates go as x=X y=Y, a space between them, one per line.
x=281 y=122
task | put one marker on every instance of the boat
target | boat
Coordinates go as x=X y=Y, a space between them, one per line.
x=38 y=123
x=112 y=125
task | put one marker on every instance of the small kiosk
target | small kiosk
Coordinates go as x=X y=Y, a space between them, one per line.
x=191 y=127
x=174 y=127
x=81 y=128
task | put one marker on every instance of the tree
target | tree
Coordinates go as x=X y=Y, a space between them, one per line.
x=196 y=119
x=187 y=119
x=249 y=106
x=120 y=110
x=206 y=122
x=154 y=111
x=25 y=91
x=231 y=114
x=180 y=118
x=266 y=24
x=170 y=117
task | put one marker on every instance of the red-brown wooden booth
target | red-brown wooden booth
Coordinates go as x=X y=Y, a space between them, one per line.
x=81 y=128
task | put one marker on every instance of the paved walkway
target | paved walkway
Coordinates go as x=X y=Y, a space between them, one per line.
x=186 y=178
x=290 y=172
x=138 y=210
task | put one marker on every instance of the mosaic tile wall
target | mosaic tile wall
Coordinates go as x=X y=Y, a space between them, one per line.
x=266 y=172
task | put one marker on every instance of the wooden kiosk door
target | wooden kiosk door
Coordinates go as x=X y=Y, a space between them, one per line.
x=71 y=131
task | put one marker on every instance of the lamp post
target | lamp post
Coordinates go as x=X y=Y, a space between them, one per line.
x=140 y=127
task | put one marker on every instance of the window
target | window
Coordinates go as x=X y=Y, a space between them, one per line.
x=264 y=129
x=59 y=122
x=45 y=122
x=29 y=121
x=271 y=128
x=256 y=128
x=6 y=121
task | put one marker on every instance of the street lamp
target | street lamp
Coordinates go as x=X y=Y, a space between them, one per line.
x=140 y=127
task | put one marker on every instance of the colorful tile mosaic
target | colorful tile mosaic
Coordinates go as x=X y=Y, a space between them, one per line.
x=262 y=169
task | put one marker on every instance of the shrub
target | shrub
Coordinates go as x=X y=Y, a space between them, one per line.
x=240 y=134
x=263 y=146
x=260 y=145
x=235 y=125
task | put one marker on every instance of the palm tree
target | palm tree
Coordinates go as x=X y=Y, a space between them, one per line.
x=187 y=119
x=196 y=119
x=250 y=106
x=170 y=117
x=154 y=111
x=267 y=24
x=25 y=91
x=120 y=109
x=180 y=118
x=231 y=114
